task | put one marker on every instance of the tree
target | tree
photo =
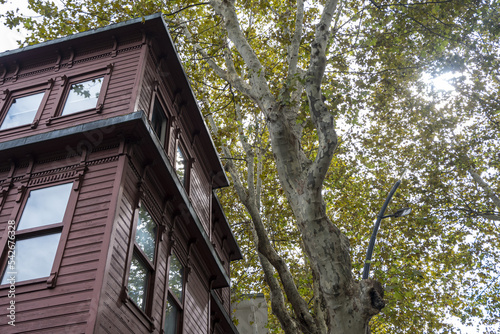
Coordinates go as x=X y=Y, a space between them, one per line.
x=311 y=91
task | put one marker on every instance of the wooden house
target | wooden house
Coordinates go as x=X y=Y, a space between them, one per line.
x=108 y=218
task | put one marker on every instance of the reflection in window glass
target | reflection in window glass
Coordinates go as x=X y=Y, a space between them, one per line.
x=137 y=282
x=176 y=277
x=22 y=111
x=180 y=164
x=45 y=206
x=145 y=236
x=33 y=257
x=83 y=96
x=171 y=314
x=159 y=121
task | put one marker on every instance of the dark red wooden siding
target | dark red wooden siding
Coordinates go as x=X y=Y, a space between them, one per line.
x=66 y=307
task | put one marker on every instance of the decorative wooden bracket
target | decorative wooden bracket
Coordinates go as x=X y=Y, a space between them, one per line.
x=160 y=63
x=177 y=133
x=64 y=79
x=195 y=135
x=114 y=51
x=5 y=94
x=25 y=179
x=34 y=125
x=71 y=57
x=178 y=101
x=124 y=295
x=98 y=109
x=57 y=66
x=79 y=179
x=187 y=271
x=52 y=280
x=4 y=73
x=15 y=76
x=109 y=68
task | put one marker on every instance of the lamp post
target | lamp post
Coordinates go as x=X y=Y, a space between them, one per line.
x=399 y=213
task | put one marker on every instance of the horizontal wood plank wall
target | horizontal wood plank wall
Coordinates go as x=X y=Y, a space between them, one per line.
x=196 y=305
x=147 y=86
x=200 y=185
x=224 y=295
x=119 y=91
x=201 y=195
x=65 y=308
x=221 y=246
x=113 y=316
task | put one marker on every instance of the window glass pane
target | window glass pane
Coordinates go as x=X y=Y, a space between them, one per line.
x=159 y=121
x=145 y=236
x=176 y=277
x=83 y=96
x=180 y=164
x=171 y=315
x=33 y=258
x=22 y=111
x=137 y=282
x=45 y=206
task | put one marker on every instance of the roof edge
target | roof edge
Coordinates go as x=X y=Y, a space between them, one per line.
x=77 y=35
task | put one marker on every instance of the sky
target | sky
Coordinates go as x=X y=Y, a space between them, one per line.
x=9 y=37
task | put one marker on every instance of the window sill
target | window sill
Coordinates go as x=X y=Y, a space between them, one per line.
x=78 y=114
x=18 y=128
x=34 y=281
x=140 y=314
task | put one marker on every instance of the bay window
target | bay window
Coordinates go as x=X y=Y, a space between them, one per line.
x=37 y=234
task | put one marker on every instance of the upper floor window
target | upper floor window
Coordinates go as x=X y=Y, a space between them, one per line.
x=173 y=309
x=181 y=164
x=85 y=92
x=83 y=96
x=22 y=110
x=37 y=234
x=142 y=265
x=159 y=121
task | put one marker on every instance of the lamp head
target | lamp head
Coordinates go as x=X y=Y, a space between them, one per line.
x=402 y=212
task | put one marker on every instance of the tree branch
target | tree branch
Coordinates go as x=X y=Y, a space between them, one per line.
x=230 y=76
x=293 y=51
x=264 y=247
x=320 y=113
x=491 y=195
x=258 y=81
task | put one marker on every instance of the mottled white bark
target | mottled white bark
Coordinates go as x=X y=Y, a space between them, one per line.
x=343 y=305
x=489 y=193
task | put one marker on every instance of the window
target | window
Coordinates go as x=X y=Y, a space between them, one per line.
x=83 y=96
x=143 y=260
x=173 y=309
x=22 y=110
x=180 y=165
x=159 y=121
x=85 y=92
x=38 y=233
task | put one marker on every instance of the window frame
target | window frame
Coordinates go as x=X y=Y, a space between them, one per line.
x=68 y=81
x=188 y=161
x=165 y=141
x=135 y=250
x=63 y=227
x=10 y=95
x=170 y=295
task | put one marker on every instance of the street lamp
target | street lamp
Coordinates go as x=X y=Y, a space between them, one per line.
x=399 y=213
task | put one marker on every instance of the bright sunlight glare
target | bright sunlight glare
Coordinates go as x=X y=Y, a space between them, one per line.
x=441 y=82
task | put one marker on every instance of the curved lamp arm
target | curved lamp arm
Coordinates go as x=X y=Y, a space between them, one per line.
x=371 y=245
